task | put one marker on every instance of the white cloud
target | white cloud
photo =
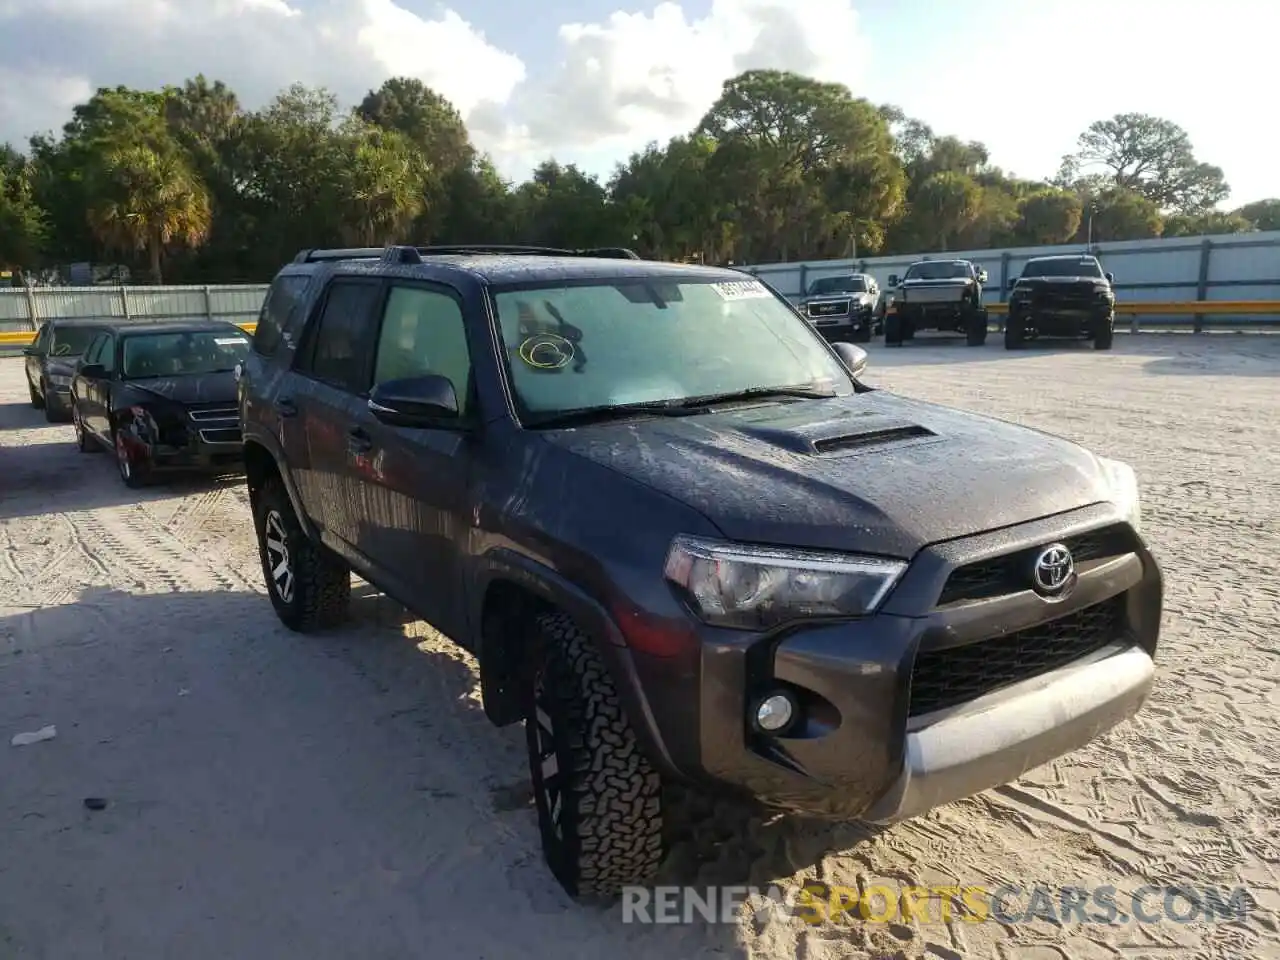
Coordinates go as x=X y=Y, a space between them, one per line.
x=638 y=77
x=612 y=86
x=53 y=53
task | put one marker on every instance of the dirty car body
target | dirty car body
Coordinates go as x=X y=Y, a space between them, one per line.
x=51 y=361
x=940 y=295
x=843 y=307
x=756 y=575
x=161 y=396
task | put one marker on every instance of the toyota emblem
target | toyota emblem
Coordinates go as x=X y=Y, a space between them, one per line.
x=1053 y=568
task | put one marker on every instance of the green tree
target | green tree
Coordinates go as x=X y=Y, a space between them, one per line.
x=147 y=200
x=1150 y=156
x=1048 y=216
x=23 y=225
x=1261 y=214
x=1205 y=224
x=1119 y=214
x=380 y=185
x=951 y=202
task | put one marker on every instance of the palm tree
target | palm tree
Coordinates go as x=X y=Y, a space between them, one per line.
x=147 y=200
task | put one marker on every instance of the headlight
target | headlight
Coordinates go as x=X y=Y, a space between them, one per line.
x=1124 y=490
x=731 y=585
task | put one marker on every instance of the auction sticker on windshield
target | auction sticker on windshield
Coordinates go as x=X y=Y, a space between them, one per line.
x=230 y=341
x=742 y=290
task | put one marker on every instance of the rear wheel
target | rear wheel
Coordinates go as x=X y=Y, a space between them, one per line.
x=599 y=799
x=309 y=587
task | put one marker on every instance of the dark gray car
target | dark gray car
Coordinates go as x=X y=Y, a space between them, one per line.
x=51 y=363
x=684 y=540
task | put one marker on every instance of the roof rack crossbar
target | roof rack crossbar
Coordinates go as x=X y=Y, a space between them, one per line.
x=341 y=253
x=413 y=254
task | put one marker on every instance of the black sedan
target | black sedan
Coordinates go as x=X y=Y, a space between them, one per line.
x=162 y=396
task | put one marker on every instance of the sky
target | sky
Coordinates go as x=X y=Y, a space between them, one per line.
x=590 y=81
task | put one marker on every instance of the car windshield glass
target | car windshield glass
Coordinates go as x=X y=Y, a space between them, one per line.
x=184 y=353
x=611 y=343
x=937 y=270
x=1087 y=267
x=70 y=341
x=838 y=285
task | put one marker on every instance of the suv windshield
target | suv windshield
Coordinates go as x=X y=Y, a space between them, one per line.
x=838 y=285
x=613 y=343
x=938 y=270
x=1084 y=267
x=186 y=353
x=70 y=341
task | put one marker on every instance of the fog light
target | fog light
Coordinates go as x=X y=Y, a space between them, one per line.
x=775 y=712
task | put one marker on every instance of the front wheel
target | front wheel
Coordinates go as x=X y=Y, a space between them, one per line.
x=309 y=587
x=976 y=329
x=134 y=466
x=1105 y=332
x=862 y=334
x=893 y=330
x=1014 y=333
x=599 y=799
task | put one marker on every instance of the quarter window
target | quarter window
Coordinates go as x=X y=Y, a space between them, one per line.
x=273 y=322
x=423 y=333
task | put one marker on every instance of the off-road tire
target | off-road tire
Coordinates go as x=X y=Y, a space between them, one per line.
x=975 y=329
x=320 y=594
x=863 y=333
x=893 y=330
x=1103 y=336
x=1014 y=333
x=37 y=401
x=607 y=795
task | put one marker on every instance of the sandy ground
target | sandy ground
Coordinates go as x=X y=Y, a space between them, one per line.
x=276 y=796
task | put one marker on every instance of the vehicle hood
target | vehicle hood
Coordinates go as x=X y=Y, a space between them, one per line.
x=871 y=472
x=193 y=388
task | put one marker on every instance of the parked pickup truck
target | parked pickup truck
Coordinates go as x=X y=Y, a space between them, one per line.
x=943 y=295
x=844 y=307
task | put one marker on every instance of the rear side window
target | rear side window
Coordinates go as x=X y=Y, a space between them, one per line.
x=282 y=297
x=338 y=344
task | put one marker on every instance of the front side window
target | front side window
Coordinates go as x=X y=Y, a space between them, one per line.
x=938 y=270
x=608 y=343
x=178 y=354
x=338 y=349
x=423 y=333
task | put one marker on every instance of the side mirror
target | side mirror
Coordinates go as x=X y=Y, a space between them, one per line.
x=982 y=276
x=414 y=401
x=893 y=279
x=1111 y=277
x=854 y=358
x=92 y=371
x=29 y=352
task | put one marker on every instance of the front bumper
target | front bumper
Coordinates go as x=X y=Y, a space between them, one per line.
x=923 y=703
x=1063 y=319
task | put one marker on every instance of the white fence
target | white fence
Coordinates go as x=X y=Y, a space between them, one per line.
x=24 y=309
x=1230 y=267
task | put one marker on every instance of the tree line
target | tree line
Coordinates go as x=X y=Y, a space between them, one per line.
x=185 y=185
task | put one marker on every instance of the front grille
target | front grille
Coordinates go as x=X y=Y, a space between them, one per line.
x=947 y=678
x=1011 y=572
x=838 y=308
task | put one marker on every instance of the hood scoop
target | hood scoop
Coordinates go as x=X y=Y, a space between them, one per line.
x=839 y=435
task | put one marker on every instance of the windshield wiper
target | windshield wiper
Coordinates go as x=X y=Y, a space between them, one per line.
x=753 y=393
x=615 y=411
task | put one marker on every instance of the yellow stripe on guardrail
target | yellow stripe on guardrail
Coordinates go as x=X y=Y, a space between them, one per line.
x=23 y=337
x=1182 y=308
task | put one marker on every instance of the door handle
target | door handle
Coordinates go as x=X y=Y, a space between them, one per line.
x=358 y=441
x=285 y=407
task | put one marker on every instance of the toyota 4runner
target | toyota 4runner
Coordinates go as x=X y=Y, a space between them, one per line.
x=944 y=295
x=1062 y=296
x=685 y=541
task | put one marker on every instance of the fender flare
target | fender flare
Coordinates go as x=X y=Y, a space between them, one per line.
x=505 y=564
x=271 y=445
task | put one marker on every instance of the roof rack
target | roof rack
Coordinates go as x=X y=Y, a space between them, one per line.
x=410 y=254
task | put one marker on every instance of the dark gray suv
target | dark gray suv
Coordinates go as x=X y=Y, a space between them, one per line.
x=684 y=540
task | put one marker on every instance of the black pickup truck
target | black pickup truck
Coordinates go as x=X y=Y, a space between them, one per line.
x=1062 y=296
